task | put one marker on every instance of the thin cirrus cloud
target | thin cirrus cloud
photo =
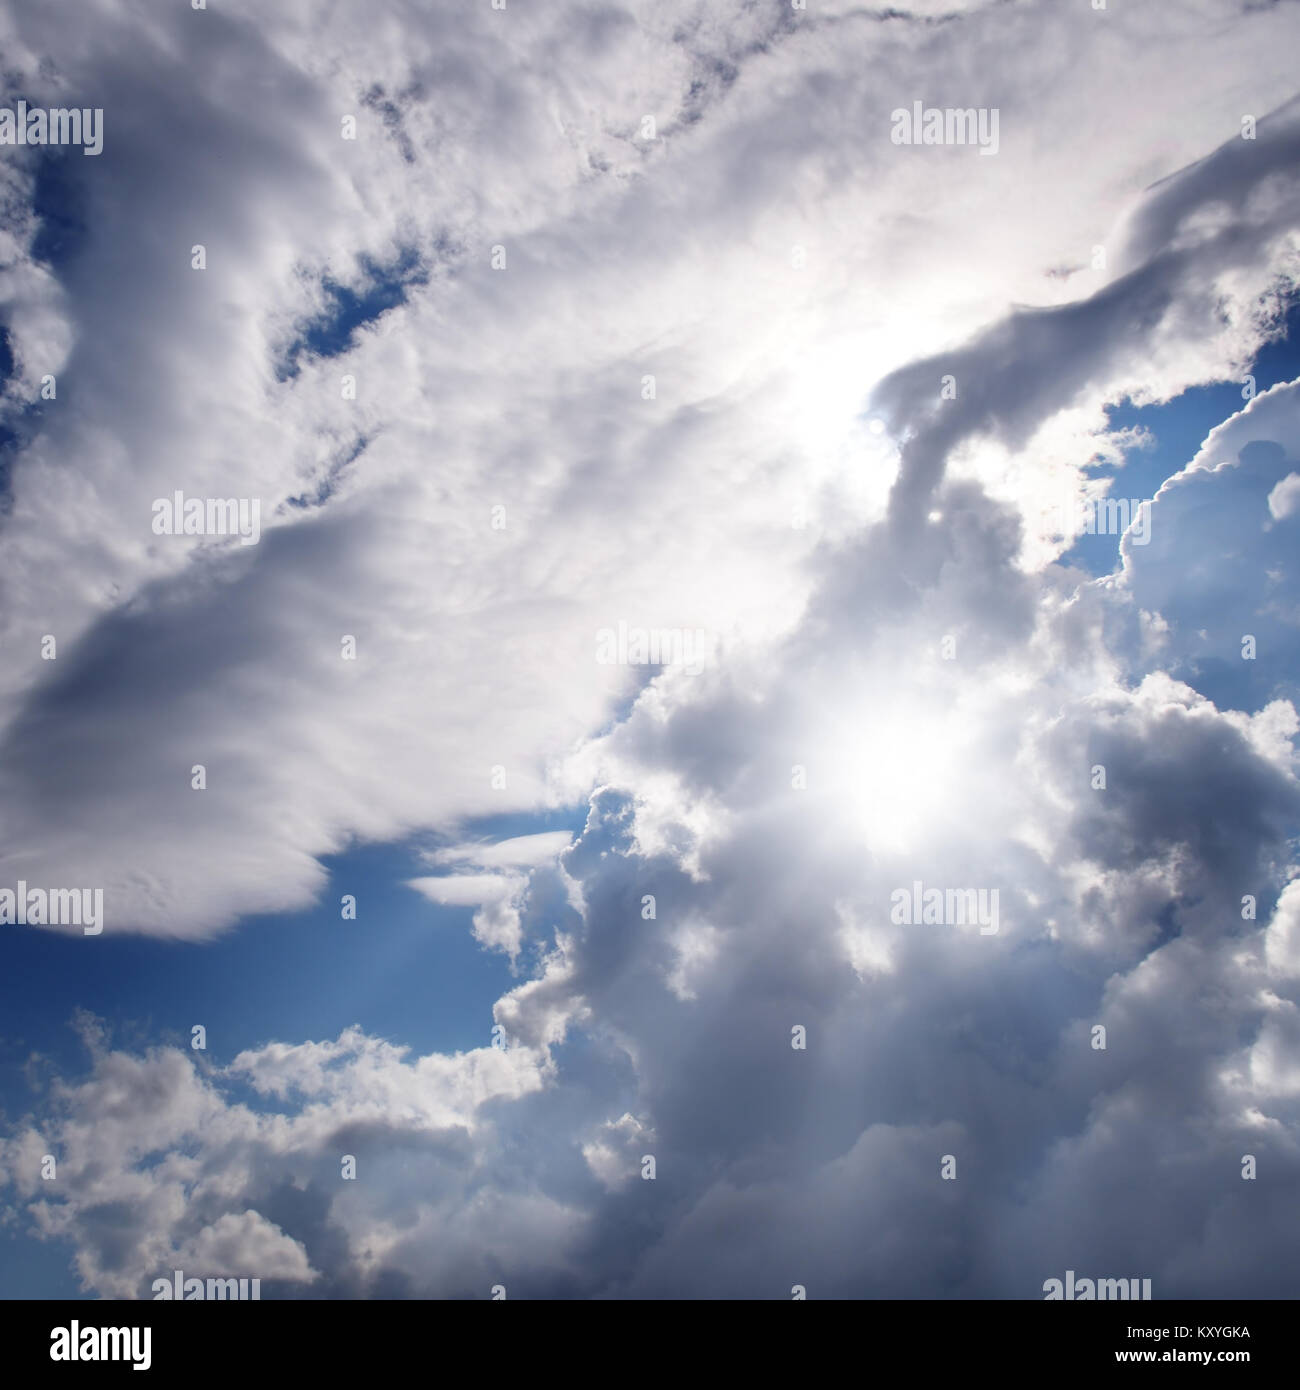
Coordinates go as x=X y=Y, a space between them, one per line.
x=912 y=688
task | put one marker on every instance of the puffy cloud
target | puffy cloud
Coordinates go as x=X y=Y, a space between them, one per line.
x=164 y=1163
x=911 y=691
x=498 y=923
x=482 y=130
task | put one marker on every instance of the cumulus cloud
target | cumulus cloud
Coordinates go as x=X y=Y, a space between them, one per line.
x=657 y=406
x=473 y=552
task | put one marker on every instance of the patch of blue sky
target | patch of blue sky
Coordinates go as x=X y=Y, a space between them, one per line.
x=1178 y=429
x=349 y=308
x=58 y=202
x=406 y=970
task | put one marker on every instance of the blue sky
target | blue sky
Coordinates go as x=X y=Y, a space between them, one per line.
x=1178 y=430
x=406 y=970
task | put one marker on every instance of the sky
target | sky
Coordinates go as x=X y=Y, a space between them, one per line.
x=545 y=335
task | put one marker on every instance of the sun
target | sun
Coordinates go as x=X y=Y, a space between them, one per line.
x=898 y=771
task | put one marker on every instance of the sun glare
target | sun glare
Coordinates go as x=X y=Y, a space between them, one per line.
x=899 y=771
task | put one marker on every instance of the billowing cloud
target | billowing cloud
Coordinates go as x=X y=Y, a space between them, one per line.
x=636 y=315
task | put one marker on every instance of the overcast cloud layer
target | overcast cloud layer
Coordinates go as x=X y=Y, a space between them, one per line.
x=902 y=681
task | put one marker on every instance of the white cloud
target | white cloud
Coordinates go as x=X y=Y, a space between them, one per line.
x=747 y=497
x=1285 y=497
x=673 y=512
